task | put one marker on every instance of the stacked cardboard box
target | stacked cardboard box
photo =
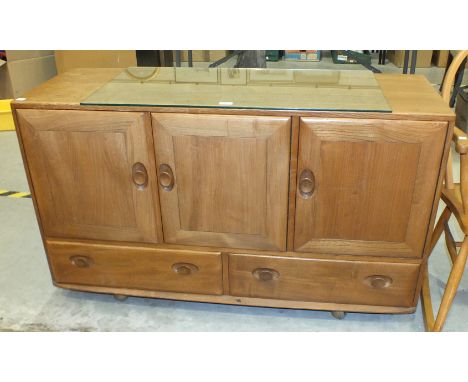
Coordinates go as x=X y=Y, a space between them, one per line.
x=423 y=60
x=215 y=55
x=71 y=59
x=440 y=58
x=203 y=55
x=25 y=69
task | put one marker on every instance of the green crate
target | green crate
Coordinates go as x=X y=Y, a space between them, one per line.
x=341 y=57
x=272 y=55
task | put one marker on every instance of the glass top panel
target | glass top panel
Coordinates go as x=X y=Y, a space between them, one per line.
x=271 y=89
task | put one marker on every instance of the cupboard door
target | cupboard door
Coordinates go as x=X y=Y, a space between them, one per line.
x=366 y=186
x=93 y=173
x=223 y=179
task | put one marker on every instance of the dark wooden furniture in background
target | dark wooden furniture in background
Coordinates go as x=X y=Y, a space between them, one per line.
x=285 y=208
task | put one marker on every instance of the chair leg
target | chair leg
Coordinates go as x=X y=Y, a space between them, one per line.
x=452 y=285
x=428 y=313
x=439 y=228
x=426 y=301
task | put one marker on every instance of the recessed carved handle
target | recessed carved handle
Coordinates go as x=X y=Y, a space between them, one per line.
x=81 y=261
x=306 y=183
x=378 y=281
x=265 y=274
x=139 y=175
x=184 y=268
x=166 y=177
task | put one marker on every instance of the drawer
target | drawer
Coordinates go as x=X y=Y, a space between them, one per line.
x=136 y=267
x=323 y=280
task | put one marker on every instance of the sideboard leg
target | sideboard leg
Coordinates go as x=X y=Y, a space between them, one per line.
x=338 y=314
x=120 y=297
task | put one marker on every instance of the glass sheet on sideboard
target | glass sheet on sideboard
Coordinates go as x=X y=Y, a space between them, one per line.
x=231 y=88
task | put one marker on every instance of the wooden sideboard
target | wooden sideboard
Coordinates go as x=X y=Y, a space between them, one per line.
x=283 y=208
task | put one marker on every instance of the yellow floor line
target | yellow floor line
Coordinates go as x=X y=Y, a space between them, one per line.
x=18 y=195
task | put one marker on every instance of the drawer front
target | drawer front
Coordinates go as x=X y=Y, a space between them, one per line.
x=319 y=280
x=136 y=267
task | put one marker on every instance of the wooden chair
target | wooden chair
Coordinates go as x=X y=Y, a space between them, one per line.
x=455 y=197
x=458 y=75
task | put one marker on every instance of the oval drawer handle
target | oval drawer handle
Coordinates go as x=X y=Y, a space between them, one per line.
x=139 y=175
x=166 y=177
x=306 y=183
x=265 y=274
x=81 y=261
x=184 y=268
x=378 y=281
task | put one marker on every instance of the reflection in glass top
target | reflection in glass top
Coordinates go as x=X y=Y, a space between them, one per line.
x=285 y=89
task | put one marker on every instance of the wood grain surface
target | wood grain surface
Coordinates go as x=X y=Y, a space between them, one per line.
x=231 y=179
x=81 y=167
x=410 y=97
x=321 y=280
x=136 y=267
x=374 y=185
x=238 y=300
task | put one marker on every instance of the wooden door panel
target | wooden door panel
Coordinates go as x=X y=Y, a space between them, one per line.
x=195 y=156
x=231 y=179
x=81 y=167
x=374 y=185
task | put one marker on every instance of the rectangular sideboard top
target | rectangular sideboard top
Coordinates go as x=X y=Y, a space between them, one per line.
x=350 y=90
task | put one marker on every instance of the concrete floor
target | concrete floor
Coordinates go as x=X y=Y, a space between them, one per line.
x=29 y=301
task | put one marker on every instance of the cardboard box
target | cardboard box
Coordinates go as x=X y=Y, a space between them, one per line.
x=16 y=55
x=440 y=58
x=203 y=55
x=24 y=70
x=302 y=55
x=423 y=60
x=197 y=55
x=71 y=59
x=215 y=55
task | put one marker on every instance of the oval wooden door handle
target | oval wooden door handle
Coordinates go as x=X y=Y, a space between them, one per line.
x=139 y=175
x=166 y=177
x=184 y=268
x=265 y=274
x=81 y=261
x=379 y=281
x=306 y=183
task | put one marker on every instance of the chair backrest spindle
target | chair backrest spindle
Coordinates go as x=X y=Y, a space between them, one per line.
x=445 y=93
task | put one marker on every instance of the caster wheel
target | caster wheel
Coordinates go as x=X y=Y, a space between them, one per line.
x=120 y=297
x=339 y=315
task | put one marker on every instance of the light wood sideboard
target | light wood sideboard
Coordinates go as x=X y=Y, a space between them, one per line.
x=309 y=209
